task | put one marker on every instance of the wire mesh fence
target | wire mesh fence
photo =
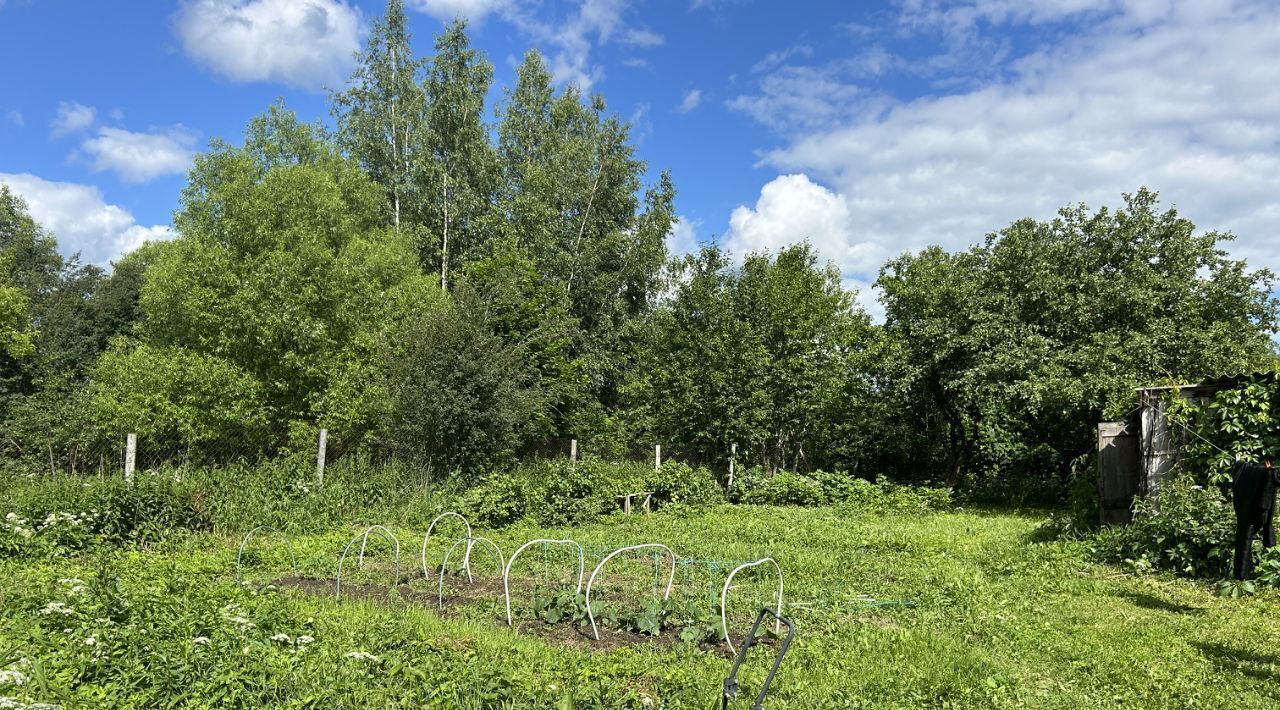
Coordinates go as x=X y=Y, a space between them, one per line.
x=103 y=453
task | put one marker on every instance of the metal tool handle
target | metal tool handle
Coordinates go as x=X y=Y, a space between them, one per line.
x=730 y=689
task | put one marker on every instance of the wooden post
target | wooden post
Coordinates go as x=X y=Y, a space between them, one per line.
x=733 y=455
x=657 y=456
x=573 y=454
x=320 y=450
x=130 y=455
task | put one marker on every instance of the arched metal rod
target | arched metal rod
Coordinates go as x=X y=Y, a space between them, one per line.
x=364 y=538
x=293 y=561
x=492 y=549
x=670 y=579
x=724 y=615
x=506 y=574
x=466 y=559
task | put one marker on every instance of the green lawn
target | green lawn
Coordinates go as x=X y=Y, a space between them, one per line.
x=998 y=620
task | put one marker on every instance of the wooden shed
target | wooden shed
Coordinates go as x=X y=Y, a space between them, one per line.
x=1136 y=454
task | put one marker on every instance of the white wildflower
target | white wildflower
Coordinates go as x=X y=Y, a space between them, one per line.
x=361 y=655
x=304 y=640
x=91 y=641
x=200 y=640
x=6 y=702
x=242 y=622
x=12 y=678
x=70 y=581
x=57 y=608
x=282 y=638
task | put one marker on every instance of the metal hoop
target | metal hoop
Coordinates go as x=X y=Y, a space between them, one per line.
x=492 y=549
x=293 y=561
x=466 y=560
x=670 y=579
x=364 y=537
x=724 y=616
x=506 y=574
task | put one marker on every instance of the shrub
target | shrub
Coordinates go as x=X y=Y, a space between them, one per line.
x=1190 y=534
x=73 y=515
x=835 y=488
x=552 y=493
x=786 y=488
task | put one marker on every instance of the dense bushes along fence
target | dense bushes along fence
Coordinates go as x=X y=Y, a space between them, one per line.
x=73 y=513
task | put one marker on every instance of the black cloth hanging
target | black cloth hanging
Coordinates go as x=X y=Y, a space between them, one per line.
x=1253 y=494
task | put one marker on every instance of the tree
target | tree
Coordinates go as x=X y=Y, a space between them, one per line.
x=282 y=273
x=459 y=179
x=1025 y=342
x=461 y=399
x=16 y=337
x=382 y=116
x=768 y=356
x=571 y=200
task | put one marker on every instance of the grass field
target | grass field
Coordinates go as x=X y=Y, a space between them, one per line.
x=995 y=619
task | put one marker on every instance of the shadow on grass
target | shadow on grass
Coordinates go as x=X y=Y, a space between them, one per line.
x=1256 y=665
x=1146 y=601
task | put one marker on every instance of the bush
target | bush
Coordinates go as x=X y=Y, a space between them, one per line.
x=834 y=488
x=551 y=493
x=73 y=515
x=1191 y=534
x=786 y=488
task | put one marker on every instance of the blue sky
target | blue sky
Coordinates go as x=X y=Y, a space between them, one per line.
x=868 y=128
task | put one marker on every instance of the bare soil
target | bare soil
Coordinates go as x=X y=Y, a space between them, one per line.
x=459 y=593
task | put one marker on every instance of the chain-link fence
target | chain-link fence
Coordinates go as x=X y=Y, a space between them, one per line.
x=107 y=453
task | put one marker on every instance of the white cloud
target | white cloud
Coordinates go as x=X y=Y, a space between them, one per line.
x=776 y=59
x=473 y=10
x=302 y=43
x=568 y=36
x=81 y=219
x=1181 y=101
x=15 y=117
x=139 y=157
x=642 y=38
x=72 y=117
x=683 y=237
x=691 y=99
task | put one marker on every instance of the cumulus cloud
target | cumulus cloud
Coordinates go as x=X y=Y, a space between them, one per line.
x=81 y=219
x=683 y=237
x=301 y=43
x=568 y=33
x=691 y=99
x=474 y=10
x=139 y=157
x=72 y=117
x=1180 y=101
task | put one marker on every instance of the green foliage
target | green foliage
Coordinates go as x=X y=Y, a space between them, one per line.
x=16 y=337
x=1021 y=344
x=60 y=516
x=786 y=488
x=813 y=488
x=1000 y=621
x=1191 y=533
x=1238 y=423
x=172 y=396
x=460 y=397
x=278 y=284
x=767 y=356
x=552 y=493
